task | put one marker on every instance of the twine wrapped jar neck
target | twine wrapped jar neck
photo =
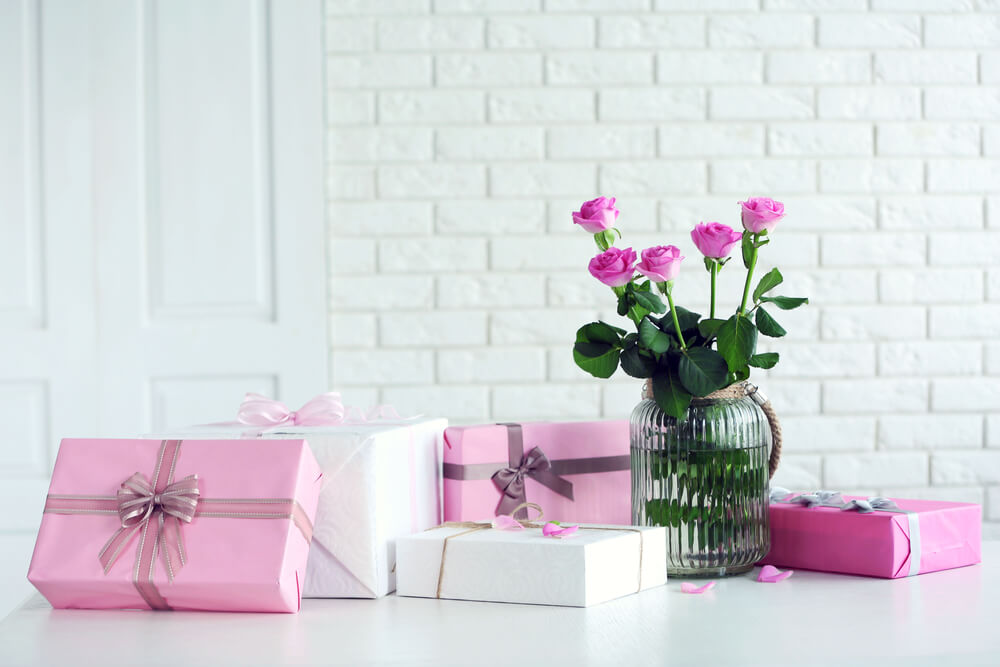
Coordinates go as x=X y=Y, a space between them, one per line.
x=735 y=391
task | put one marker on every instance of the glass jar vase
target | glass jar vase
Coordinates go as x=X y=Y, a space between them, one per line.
x=705 y=478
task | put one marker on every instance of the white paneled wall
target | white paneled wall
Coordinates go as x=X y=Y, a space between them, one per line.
x=461 y=133
x=160 y=222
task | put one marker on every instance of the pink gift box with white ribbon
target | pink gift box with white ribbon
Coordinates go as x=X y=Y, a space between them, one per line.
x=216 y=525
x=875 y=537
x=577 y=471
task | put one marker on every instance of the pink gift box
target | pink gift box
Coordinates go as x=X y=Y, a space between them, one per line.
x=926 y=536
x=244 y=549
x=576 y=471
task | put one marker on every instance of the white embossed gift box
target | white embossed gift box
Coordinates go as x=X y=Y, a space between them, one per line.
x=381 y=482
x=596 y=564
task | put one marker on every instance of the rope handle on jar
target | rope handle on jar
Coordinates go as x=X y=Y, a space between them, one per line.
x=747 y=389
x=772 y=420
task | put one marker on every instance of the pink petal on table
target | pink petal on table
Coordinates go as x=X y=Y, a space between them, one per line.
x=553 y=529
x=688 y=587
x=769 y=574
x=506 y=522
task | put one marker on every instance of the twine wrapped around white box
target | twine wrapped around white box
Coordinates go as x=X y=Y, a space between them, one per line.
x=598 y=563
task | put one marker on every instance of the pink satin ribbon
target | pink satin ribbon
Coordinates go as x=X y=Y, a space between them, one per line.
x=323 y=410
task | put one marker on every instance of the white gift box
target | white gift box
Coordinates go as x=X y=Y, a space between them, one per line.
x=597 y=564
x=382 y=481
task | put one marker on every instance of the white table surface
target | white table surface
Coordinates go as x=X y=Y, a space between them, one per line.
x=945 y=618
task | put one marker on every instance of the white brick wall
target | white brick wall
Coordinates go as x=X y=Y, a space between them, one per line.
x=463 y=132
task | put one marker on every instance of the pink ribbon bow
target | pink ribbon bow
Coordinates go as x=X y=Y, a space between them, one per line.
x=323 y=410
x=138 y=502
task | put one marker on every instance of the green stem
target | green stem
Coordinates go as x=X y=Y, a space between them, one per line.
x=715 y=271
x=677 y=324
x=746 y=286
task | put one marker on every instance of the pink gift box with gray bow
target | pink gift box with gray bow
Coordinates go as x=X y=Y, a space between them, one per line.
x=875 y=537
x=213 y=525
x=577 y=471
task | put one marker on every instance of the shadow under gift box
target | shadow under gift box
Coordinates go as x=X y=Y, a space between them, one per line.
x=592 y=456
x=927 y=536
x=231 y=564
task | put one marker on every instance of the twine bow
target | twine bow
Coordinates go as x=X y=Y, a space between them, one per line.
x=138 y=503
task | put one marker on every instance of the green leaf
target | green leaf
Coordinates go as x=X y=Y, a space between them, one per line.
x=670 y=395
x=593 y=350
x=709 y=263
x=747 y=246
x=768 y=282
x=786 y=302
x=649 y=301
x=685 y=318
x=652 y=338
x=598 y=359
x=764 y=360
x=737 y=340
x=605 y=239
x=637 y=364
x=709 y=327
x=702 y=371
x=599 y=332
x=623 y=305
x=767 y=325
x=739 y=375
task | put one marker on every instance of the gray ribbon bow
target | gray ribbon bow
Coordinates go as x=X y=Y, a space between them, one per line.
x=535 y=464
x=779 y=493
x=820 y=499
x=872 y=504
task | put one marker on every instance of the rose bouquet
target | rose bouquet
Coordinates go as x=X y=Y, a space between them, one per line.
x=682 y=354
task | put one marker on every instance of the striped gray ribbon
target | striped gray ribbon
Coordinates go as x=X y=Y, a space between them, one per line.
x=508 y=477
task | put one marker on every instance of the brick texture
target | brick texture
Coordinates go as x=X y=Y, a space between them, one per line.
x=461 y=133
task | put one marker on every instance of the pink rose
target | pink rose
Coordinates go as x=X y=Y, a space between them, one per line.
x=660 y=263
x=613 y=267
x=715 y=239
x=761 y=213
x=596 y=215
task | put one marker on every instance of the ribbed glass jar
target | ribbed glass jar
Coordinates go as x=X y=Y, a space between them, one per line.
x=706 y=480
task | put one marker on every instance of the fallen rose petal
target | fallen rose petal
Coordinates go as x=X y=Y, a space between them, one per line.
x=688 y=587
x=506 y=522
x=555 y=530
x=769 y=574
